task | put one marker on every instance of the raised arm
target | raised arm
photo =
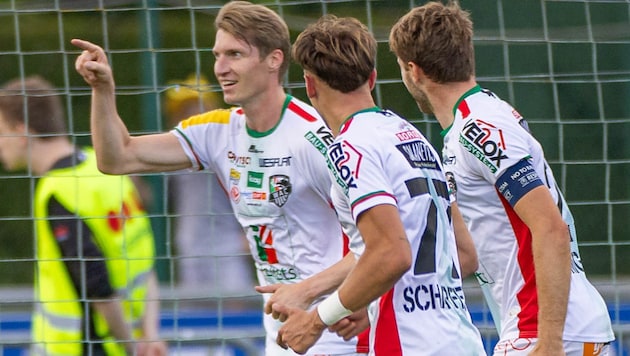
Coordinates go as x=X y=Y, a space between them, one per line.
x=116 y=150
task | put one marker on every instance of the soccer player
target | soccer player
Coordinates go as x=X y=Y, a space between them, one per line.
x=391 y=196
x=530 y=268
x=95 y=289
x=269 y=153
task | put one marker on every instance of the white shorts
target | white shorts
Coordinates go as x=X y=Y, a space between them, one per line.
x=523 y=346
x=272 y=349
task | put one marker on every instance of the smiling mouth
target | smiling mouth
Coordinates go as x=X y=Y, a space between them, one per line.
x=227 y=83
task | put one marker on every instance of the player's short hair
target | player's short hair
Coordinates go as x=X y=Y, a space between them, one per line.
x=34 y=102
x=258 y=26
x=438 y=38
x=339 y=50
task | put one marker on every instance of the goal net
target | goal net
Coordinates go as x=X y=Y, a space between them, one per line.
x=564 y=64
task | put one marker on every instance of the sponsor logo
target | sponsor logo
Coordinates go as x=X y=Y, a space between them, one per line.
x=264 y=244
x=274 y=162
x=482 y=275
x=345 y=162
x=485 y=142
x=433 y=296
x=61 y=232
x=274 y=274
x=450 y=183
x=408 y=135
x=279 y=189
x=235 y=176
x=235 y=194
x=117 y=219
x=321 y=140
x=253 y=149
x=449 y=160
x=419 y=155
x=240 y=161
x=254 y=179
x=254 y=196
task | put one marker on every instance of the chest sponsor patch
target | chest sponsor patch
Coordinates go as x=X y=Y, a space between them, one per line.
x=418 y=154
x=484 y=141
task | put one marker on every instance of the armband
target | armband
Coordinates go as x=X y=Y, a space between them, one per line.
x=331 y=310
x=517 y=181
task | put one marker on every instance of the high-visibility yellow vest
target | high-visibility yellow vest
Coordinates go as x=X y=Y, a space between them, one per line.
x=111 y=208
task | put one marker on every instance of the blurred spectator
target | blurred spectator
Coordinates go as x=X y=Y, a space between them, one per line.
x=95 y=288
x=211 y=246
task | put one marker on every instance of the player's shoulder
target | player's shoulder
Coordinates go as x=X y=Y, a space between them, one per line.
x=217 y=116
x=487 y=107
x=301 y=113
x=367 y=125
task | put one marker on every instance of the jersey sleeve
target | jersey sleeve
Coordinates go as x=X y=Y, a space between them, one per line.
x=199 y=134
x=493 y=145
x=358 y=168
x=500 y=151
x=82 y=257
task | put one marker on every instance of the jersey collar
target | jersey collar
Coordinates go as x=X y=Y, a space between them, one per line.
x=473 y=90
x=257 y=134
x=347 y=120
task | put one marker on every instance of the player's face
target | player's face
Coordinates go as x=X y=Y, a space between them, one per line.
x=239 y=69
x=416 y=93
x=13 y=145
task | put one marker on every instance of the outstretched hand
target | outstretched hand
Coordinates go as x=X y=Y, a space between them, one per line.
x=290 y=295
x=92 y=65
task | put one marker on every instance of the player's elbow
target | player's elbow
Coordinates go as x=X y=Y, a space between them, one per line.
x=108 y=168
x=468 y=265
x=401 y=262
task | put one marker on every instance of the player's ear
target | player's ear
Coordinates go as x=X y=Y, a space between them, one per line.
x=417 y=74
x=309 y=81
x=372 y=79
x=275 y=59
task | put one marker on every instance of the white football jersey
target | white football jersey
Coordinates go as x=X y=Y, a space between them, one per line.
x=279 y=188
x=491 y=160
x=379 y=158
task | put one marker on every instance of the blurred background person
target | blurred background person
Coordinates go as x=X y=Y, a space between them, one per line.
x=211 y=246
x=95 y=288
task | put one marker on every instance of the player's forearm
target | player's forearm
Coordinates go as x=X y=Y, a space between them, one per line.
x=109 y=134
x=553 y=277
x=328 y=280
x=387 y=256
x=111 y=309
x=466 y=251
x=150 y=322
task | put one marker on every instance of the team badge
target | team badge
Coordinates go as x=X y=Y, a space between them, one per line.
x=279 y=189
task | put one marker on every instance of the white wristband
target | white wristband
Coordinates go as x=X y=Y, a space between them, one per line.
x=331 y=310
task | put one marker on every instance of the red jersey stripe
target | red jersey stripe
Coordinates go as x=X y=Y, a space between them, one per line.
x=463 y=107
x=301 y=112
x=527 y=297
x=387 y=339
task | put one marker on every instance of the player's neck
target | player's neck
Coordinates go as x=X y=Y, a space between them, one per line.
x=46 y=152
x=336 y=107
x=264 y=111
x=443 y=98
